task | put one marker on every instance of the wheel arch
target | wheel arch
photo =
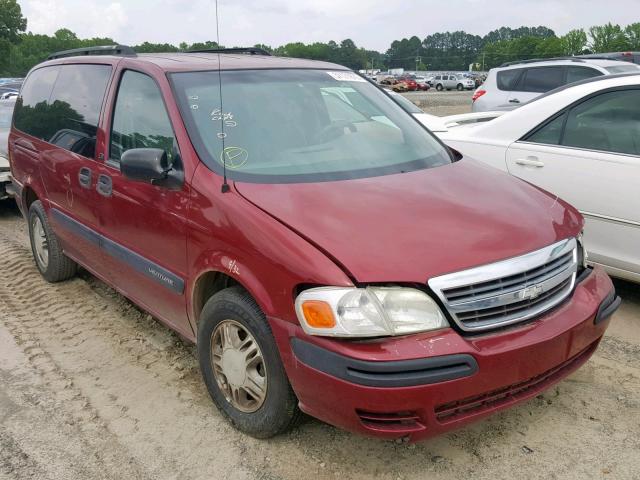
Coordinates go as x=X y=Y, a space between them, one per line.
x=211 y=281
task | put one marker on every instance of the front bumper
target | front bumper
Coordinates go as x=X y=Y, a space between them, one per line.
x=358 y=389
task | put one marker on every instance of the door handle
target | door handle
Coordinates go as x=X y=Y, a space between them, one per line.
x=104 y=185
x=514 y=100
x=530 y=162
x=84 y=177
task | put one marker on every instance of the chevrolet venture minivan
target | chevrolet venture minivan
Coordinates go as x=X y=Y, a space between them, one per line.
x=324 y=250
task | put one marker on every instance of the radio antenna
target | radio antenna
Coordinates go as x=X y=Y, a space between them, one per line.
x=225 y=185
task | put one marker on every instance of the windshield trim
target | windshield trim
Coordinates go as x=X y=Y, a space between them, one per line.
x=216 y=167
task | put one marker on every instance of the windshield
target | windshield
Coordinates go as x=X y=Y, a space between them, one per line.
x=623 y=68
x=289 y=125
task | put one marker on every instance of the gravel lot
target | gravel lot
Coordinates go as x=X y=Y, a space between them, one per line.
x=442 y=103
x=93 y=388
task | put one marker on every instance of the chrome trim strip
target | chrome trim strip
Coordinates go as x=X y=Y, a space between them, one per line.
x=504 y=269
x=610 y=219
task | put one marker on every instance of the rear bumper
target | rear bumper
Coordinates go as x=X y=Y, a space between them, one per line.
x=448 y=380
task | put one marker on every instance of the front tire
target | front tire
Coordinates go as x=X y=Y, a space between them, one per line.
x=52 y=263
x=439 y=87
x=241 y=365
x=460 y=87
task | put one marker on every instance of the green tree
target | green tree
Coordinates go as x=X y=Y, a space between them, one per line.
x=608 y=38
x=632 y=32
x=574 y=42
x=11 y=20
x=147 y=47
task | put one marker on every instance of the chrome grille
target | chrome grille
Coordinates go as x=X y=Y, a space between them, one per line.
x=509 y=291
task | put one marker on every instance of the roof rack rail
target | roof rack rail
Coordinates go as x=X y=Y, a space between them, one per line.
x=247 y=50
x=534 y=60
x=98 y=50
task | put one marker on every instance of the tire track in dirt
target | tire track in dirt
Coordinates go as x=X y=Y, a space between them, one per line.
x=57 y=326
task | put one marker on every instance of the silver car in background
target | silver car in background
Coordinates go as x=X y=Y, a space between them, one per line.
x=6 y=113
x=450 y=82
x=516 y=83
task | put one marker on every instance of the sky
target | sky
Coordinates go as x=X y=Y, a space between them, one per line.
x=372 y=24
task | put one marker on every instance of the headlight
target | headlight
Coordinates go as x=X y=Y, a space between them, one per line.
x=367 y=312
x=582 y=252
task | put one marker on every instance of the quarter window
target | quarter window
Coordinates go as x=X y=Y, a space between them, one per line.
x=550 y=133
x=140 y=119
x=575 y=74
x=32 y=105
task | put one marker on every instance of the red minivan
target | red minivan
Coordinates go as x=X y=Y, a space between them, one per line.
x=324 y=250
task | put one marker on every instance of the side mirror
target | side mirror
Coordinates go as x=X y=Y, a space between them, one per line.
x=149 y=165
x=457 y=156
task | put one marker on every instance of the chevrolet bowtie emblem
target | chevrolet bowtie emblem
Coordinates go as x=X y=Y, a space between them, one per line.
x=531 y=292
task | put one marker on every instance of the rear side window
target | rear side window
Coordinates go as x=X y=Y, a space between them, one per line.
x=541 y=79
x=32 y=106
x=76 y=100
x=508 y=79
x=575 y=74
x=608 y=122
x=61 y=105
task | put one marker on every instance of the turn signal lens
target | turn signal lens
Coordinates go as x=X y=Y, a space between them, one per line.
x=318 y=314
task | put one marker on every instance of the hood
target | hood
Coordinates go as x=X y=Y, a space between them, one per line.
x=413 y=226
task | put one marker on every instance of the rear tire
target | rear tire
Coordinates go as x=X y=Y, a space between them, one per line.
x=261 y=409
x=52 y=263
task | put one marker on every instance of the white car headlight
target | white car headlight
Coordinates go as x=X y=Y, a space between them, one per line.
x=367 y=312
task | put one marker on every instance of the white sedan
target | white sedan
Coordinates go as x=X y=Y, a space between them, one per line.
x=582 y=143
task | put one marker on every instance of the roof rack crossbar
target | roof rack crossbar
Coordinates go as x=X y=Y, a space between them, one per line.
x=98 y=50
x=535 y=60
x=247 y=50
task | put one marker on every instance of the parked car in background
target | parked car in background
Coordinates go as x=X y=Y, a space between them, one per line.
x=450 y=82
x=423 y=83
x=622 y=56
x=582 y=143
x=409 y=81
x=6 y=112
x=325 y=255
x=516 y=83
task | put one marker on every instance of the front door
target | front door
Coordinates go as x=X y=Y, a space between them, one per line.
x=589 y=155
x=144 y=226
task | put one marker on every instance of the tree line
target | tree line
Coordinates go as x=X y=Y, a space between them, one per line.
x=19 y=51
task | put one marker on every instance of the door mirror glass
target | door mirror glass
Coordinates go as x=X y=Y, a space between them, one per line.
x=148 y=165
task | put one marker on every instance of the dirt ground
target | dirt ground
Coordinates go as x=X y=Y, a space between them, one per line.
x=442 y=103
x=92 y=388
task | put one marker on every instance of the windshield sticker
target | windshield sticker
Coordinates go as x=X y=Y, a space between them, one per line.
x=346 y=77
x=217 y=115
x=234 y=157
